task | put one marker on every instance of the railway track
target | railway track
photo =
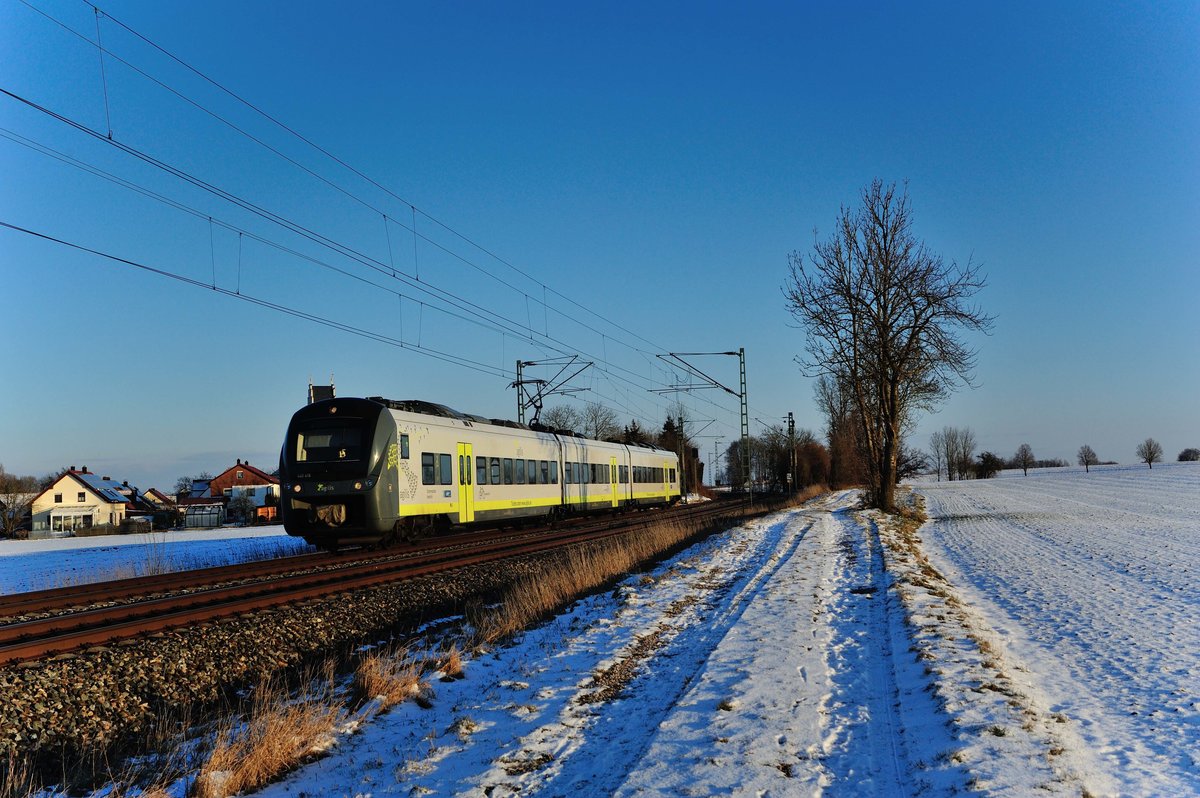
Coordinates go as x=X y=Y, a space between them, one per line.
x=105 y=613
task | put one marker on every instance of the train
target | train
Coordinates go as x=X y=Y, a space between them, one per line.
x=375 y=472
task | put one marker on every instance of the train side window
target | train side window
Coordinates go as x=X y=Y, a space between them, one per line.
x=672 y=474
x=446 y=469
x=567 y=474
x=531 y=472
x=520 y=471
x=427 y=469
x=624 y=474
x=554 y=472
x=508 y=471
x=404 y=446
x=545 y=472
x=495 y=466
x=481 y=471
x=595 y=469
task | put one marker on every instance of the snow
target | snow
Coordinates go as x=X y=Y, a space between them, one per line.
x=1090 y=581
x=59 y=562
x=1042 y=638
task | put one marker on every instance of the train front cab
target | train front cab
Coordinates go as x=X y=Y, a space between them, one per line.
x=338 y=473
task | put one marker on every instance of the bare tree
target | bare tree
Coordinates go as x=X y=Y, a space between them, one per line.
x=937 y=448
x=882 y=314
x=1150 y=452
x=562 y=417
x=964 y=458
x=600 y=422
x=16 y=496
x=1087 y=458
x=1024 y=458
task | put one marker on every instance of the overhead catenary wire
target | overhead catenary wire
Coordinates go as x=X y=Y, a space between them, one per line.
x=291 y=131
x=522 y=331
x=513 y=327
x=448 y=357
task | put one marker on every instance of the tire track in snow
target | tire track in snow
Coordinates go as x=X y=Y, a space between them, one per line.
x=613 y=733
x=864 y=737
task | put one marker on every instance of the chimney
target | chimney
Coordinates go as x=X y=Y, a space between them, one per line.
x=239 y=461
x=72 y=468
x=85 y=469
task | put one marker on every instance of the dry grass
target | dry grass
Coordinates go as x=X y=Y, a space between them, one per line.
x=278 y=733
x=573 y=573
x=16 y=777
x=389 y=678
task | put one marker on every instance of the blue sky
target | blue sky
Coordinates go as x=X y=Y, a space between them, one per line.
x=646 y=168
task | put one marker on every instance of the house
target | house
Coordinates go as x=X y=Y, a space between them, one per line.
x=244 y=479
x=83 y=499
x=160 y=500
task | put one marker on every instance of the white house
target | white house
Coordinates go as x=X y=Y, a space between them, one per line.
x=81 y=499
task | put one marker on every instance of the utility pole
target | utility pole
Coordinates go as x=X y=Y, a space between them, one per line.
x=791 y=420
x=715 y=472
x=677 y=357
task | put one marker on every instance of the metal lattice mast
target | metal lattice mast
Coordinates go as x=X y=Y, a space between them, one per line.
x=745 y=425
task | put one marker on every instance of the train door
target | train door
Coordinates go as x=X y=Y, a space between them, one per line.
x=612 y=480
x=466 y=488
x=666 y=479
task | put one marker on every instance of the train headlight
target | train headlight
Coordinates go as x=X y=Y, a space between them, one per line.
x=358 y=486
x=296 y=487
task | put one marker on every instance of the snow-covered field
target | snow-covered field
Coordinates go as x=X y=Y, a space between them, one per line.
x=1042 y=639
x=1092 y=582
x=59 y=562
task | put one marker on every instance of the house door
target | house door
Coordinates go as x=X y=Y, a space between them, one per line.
x=466 y=488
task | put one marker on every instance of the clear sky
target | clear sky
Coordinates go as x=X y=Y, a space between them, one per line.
x=617 y=180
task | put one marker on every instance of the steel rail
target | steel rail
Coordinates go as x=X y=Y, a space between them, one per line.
x=45 y=637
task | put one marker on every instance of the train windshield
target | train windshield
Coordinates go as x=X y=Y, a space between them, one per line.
x=329 y=441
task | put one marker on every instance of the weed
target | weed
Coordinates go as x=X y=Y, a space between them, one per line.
x=278 y=733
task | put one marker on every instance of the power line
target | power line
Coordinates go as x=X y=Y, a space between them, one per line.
x=448 y=357
x=508 y=326
x=466 y=239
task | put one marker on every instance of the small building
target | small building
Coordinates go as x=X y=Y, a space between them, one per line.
x=82 y=499
x=244 y=479
x=203 y=514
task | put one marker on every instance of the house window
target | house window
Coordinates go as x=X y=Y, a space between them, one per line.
x=228 y=491
x=250 y=492
x=79 y=497
x=58 y=498
x=239 y=475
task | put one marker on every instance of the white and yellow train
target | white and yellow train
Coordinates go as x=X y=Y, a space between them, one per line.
x=367 y=471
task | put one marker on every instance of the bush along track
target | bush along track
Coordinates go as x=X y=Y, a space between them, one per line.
x=1000 y=726
x=68 y=719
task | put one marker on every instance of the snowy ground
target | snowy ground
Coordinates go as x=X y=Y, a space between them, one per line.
x=1092 y=581
x=58 y=562
x=1041 y=638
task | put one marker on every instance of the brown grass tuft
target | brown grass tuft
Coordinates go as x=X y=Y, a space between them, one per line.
x=278 y=733
x=389 y=678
